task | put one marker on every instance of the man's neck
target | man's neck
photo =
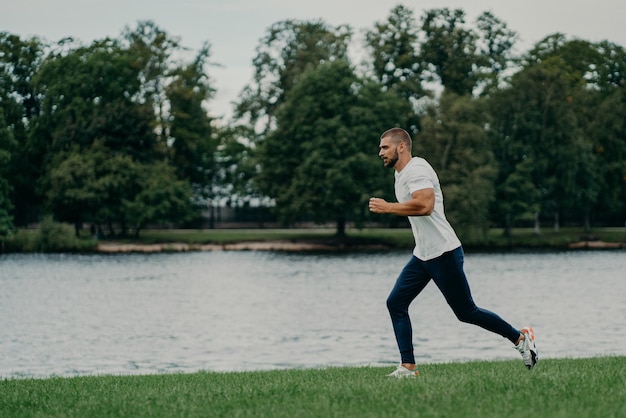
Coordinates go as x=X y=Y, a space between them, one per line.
x=401 y=164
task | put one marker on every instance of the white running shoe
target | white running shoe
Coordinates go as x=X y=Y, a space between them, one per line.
x=403 y=373
x=527 y=348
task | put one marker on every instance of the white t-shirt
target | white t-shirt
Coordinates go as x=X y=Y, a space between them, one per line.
x=433 y=233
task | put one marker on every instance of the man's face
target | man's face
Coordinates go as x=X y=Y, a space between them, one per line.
x=388 y=151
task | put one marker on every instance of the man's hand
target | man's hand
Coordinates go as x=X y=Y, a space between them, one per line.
x=378 y=205
x=422 y=203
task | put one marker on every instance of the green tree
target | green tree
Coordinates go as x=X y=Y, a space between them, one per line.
x=601 y=104
x=193 y=143
x=321 y=161
x=152 y=48
x=288 y=49
x=284 y=53
x=236 y=165
x=108 y=189
x=20 y=60
x=99 y=131
x=454 y=141
x=6 y=144
x=551 y=104
x=463 y=58
x=93 y=101
x=610 y=67
x=607 y=131
x=394 y=55
x=115 y=183
x=517 y=196
x=496 y=42
x=449 y=51
x=531 y=111
x=91 y=105
x=71 y=194
x=159 y=197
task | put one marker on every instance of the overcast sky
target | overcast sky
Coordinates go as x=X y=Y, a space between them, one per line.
x=234 y=27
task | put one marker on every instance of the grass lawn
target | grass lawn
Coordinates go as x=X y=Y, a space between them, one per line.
x=395 y=238
x=30 y=240
x=594 y=387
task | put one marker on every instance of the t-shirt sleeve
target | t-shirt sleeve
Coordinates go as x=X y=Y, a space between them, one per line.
x=419 y=179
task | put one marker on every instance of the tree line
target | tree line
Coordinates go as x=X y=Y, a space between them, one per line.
x=117 y=133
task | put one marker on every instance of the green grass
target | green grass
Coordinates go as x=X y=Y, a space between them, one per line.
x=222 y=236
x=551 y=238
x=26 y=240
x=394 y=238
x=593 y=387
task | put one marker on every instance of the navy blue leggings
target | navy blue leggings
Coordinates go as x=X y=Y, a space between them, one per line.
x=447 y=273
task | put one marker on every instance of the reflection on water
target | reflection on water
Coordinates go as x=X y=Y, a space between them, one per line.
x=229 y=311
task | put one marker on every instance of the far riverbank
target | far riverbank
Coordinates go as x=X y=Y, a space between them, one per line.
x=287 y=246
x=60 y=238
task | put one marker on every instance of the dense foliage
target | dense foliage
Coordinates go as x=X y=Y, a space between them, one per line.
x=116 y=134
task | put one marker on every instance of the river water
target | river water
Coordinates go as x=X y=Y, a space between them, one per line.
x=69 y=315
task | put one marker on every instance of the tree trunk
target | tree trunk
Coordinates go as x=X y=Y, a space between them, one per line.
x=508 y=227
x=557 y=221
x=537 y=225
x=341 y=228
x=111 y=230
x=211 y=216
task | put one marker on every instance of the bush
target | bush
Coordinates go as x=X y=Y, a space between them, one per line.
x=19 y=241
x=58 y=237
x=50 y=237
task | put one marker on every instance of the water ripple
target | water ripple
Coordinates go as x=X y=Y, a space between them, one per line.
x=229 y=311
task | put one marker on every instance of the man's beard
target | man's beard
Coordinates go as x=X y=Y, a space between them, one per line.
x=392 y=161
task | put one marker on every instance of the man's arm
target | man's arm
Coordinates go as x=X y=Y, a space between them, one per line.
x=422 y=203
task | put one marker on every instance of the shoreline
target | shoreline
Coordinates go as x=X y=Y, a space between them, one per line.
x=290 y=246
x=287 y=246
x=597 y=245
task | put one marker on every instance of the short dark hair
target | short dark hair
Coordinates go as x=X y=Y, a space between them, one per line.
x=398 y=135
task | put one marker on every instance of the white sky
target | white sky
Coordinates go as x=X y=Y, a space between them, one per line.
x=234 y=27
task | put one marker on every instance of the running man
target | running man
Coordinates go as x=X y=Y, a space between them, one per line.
x=438 y=255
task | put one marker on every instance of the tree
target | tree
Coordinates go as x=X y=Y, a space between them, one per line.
x=97 y=131
x=517 y=197
x=496 y=44
x=592 y=74
x=394 y=55
x=610 y=68
x=20 y=59
x=72 y=195
x=287 y=50
x=108 y=188
x=454 y=141
x=539 y=118
x=90 y=107
x=236 y=164
x=321 y=161
x=96 y=100
x=607 y=132
x=461 y=58
x=600 y=105
x=193 y=145
x=7 y=143
x=151 y=48
x=450 y=50
x=158 y=197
